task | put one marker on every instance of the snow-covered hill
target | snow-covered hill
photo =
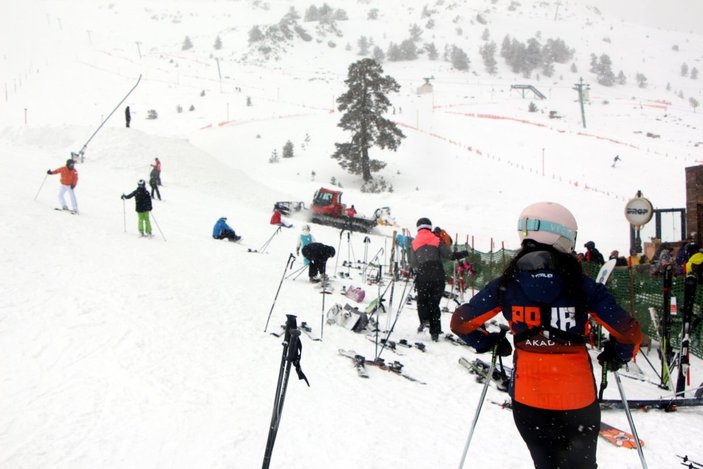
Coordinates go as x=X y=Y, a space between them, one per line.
x=127 y=352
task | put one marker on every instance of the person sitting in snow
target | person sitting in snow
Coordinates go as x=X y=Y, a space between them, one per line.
x=142 y=204
x=276 y=219
x=222 y=230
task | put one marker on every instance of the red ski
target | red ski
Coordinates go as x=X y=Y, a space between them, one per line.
x=618 y=437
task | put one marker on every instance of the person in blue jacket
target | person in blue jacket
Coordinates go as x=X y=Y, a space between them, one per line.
x=222 y=230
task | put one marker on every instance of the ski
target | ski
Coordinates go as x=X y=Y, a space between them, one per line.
x=608 y=432
x=72 y=212
x=480 y=368
x=359 y=362
x=390 y=345
x=689 y=297
x=668 y=405
x=618 y=437
x=79 y=156
x=307 y=330
x=689 y=463
x=393 y=367
x=418 y=345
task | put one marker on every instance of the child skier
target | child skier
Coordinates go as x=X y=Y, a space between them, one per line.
x=305 y=239
x=546 y=299
x=142 y=204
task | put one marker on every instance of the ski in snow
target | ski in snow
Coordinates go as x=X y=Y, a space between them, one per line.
x=393 y=367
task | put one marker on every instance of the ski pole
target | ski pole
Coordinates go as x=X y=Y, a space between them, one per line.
x=295 y=273
x=603 y=381
x=268 y=241
x=630 y=420
x=157 y=225
x=503 y=332
x=339 y=246
x=395 y=321
x=40 y=186
x=289 y=262
x=124 y=215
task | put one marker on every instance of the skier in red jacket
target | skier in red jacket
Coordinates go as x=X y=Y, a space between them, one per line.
x=546 y=299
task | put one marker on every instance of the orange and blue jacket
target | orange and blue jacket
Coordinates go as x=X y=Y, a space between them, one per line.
x=552 y=368
x=69 y=177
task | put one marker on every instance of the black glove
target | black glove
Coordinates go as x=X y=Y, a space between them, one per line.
x=122 y=197
x=48 y=171
x=73 y=186
x=459 y=255
x=496 y=339
x=610 y=357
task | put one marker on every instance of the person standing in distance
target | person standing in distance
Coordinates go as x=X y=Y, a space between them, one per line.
x=428 y=253
x=142 y=205
x=546 y=299
x=69 y=180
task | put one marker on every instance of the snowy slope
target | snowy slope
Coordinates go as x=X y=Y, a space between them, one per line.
x=126 y=352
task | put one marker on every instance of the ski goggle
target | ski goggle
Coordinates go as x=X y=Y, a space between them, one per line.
x=534 y=224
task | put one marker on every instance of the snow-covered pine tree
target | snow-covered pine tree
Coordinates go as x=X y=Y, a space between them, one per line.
x=363 y=106
x=459 y=59
x=218 y=43
x=288 y=150
x=187 y=44
x=488 y=54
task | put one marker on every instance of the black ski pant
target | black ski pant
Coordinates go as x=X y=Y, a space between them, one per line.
x=228 y=234
x=316 y=266
x=559 y=439
x=429 y=295
x=155 y=188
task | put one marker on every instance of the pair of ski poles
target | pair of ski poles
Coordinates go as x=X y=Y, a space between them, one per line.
x=503 y=332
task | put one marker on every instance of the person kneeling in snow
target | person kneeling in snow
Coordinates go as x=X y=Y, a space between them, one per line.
x=222 y=230
x=142 y=201
x=317 y=254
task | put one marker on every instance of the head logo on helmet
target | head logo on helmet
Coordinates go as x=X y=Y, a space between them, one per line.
x=548 y=223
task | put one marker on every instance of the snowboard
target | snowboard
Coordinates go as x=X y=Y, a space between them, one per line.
x=605 y=271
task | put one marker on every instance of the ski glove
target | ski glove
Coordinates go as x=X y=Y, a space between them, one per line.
x=610 y=357
x=459 y=255
x=122 y=197
x=48 y=171
x=495 y=339
x=73 y=186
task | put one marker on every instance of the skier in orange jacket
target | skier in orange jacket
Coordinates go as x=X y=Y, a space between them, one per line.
x=69 y=180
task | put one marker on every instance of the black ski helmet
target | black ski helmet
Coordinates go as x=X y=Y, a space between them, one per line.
x=70 y=162
x=424 y=223
x=141 y=183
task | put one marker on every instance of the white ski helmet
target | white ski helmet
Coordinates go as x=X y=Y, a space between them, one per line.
x=548 y=223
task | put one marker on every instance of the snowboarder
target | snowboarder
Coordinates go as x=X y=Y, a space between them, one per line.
x=317 y=254
x=69 y=180
x=157 y=166
x=546 y=299
x=127 y=116
x=154 y=183
x=222 y=230
x=142 y=205
x=305 y=239
x=428 y=253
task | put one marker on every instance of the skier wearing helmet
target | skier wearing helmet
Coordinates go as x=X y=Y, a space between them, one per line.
x=69 y=179
x=546 y=299
x=142 y=201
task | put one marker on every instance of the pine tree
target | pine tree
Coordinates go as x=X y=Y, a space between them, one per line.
x=408 y=50
x=218 y=43
x=694 y=103
x=622 y=79
x=684 y=69
x=363 y=106
x=431 y=50
x=255 y=35
x=641 y=80
x=604 y=71
x=378 y=54
x=187 y=44
x=459 y=59
x=415 y=33
x=488 y=54
x=363 y=44
x=394 y=53
x=288 y=150
x=694 y=73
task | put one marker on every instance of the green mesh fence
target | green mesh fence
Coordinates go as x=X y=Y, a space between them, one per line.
x=636 y=290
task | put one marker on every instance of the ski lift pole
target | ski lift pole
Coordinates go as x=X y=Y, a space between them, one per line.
x=40 y=186
x=289 y=263
x=85 y=145
x=503 y=332
x=630 y=420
